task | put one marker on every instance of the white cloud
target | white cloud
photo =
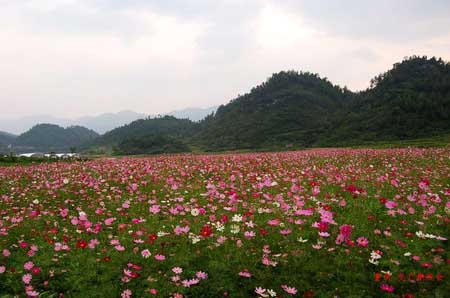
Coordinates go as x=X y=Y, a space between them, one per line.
x=78 y=57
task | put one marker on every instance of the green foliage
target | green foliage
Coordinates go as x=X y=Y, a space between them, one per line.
x=50 y=137
x=150 y=144
x=292 y=109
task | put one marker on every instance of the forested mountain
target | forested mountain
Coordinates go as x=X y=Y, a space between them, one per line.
x=301 y=109
x=289 y=108
x=148 y=130
x=50 y=137
x=411 y=100
x=6 y=138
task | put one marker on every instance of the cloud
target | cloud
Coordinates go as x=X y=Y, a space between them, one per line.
x=80 y=57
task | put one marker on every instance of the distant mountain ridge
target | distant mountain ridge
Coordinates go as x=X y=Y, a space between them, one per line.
x=194 y=114
x=290 y=110
x=51 y=137
x=100 y=123
x=6 y=139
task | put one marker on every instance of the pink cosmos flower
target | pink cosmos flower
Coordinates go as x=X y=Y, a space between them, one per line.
x=249 y=234
x=146 y=253
x=28 y=265
x=6 y=252
x=2 y=269
x=119 y=248
x=315 y=190
x=387 y=288
x=245 y=273
x=64 y=212
x=109 y=221
x=159 y=257
x=93 y=243
x=289 y=290
x=274 y=222
x=27 y=278
x=390 y=204
x=201 y=275
x=126 y=294
x=177 y=270
x=155 y=209
x=285 y=232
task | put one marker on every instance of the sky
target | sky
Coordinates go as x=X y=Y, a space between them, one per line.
x=70 y=58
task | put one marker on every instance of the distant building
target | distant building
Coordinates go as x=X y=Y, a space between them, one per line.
x=32 y=155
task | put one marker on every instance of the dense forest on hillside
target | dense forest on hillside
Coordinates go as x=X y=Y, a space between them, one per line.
x=50 y=137
x=301 y=109
x=290 y=110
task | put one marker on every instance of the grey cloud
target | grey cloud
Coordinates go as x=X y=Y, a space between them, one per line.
x=392 y=20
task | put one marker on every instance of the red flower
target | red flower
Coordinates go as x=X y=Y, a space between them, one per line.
x=383 y=200
x=263 y=232
x=36 y=270
x=152 y=238
x=206 y=231
x=323 y=226
x=81 y=244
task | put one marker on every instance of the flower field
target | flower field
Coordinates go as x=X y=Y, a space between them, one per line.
x=318 y=223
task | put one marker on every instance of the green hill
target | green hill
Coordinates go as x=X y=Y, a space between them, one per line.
x=301 y=109
x=50 y=137
x=144 y=135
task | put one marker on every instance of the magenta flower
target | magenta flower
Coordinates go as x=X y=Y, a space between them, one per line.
x=362 y=241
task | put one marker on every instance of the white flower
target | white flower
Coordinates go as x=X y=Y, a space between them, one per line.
x=235 y=229
x=302 y=240
x=36 y=201
x=66 y=181
x=162 y=234
x=272 y=293
x=219 y=226
x=237 y=218
x=375 y=262
x=250 y=224
x=195 y=212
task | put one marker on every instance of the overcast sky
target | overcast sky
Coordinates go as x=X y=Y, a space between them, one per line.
x=70 y=58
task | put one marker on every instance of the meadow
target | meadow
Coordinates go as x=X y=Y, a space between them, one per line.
x=314 y=223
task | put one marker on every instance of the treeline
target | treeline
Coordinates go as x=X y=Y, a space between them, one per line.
x=301 y=109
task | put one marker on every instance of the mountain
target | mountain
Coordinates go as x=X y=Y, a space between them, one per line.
x=23 y=124
x=51 y=137
x=194 y=114
x=6 y=138
x=150 y=129
x=289 y=108
x=100 y=123
x=300 y=109
x=412 y=100
x=106 y=122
